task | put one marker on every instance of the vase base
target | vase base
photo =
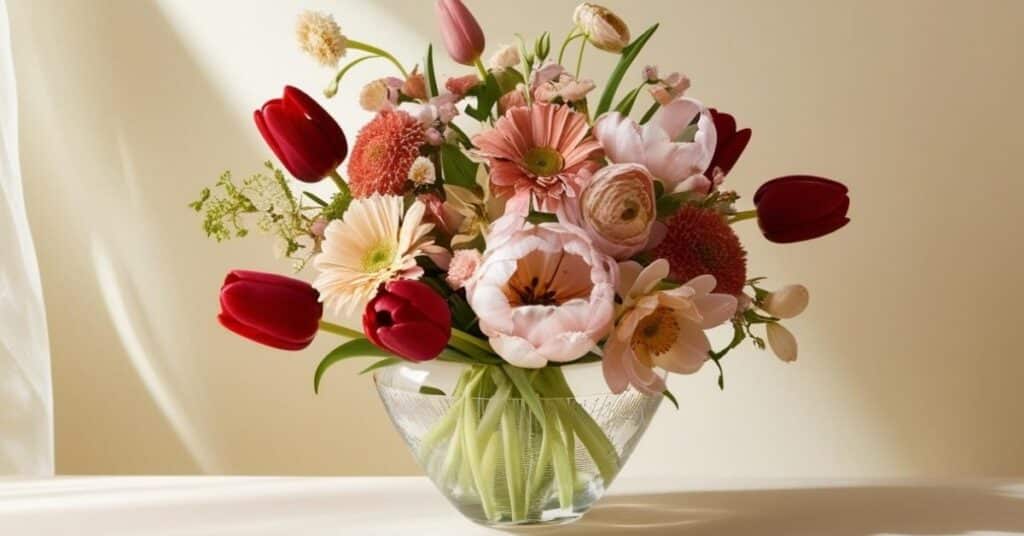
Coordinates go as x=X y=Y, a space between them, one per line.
x=526 y=526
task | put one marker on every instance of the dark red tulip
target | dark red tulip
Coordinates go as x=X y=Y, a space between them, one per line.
x=305 y=138
x=800 y=207
x=408 y=319
x=270 y=309
x=731 y=142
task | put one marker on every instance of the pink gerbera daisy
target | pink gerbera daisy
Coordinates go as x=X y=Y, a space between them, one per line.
x=541 y=151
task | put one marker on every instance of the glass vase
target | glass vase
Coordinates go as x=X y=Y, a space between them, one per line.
x=509 y=446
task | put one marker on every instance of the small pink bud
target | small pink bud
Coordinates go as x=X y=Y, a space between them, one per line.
x=433 y=137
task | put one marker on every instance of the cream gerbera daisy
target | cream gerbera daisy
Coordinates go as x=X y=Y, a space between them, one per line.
x=372 y=244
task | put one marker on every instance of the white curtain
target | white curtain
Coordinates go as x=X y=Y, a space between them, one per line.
x=26 y=402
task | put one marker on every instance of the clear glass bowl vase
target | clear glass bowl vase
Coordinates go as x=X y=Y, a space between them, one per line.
x=511 y=446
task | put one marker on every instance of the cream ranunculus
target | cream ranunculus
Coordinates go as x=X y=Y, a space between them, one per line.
x=542 y=293
x=604 y=29
x=506 y=57
x=617 y=209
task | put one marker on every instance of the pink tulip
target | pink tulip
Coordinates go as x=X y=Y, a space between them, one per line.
x=462 y=35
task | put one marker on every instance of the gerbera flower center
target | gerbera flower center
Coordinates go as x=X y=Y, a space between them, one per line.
x=543 y=278
x=655 y=334
x=379 y=257
x=543 y=161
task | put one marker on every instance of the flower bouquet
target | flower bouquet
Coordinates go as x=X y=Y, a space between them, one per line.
x=503 y=229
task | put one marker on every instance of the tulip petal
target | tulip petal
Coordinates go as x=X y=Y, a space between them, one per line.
x=416 y=341
x=261 y=337
x=281 y=312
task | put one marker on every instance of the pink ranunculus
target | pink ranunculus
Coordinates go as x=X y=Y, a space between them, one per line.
x=617 y=209
x=656 y=145
x=543 y=293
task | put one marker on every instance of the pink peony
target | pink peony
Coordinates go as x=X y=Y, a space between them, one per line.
x=543 y=293
x=541 y=152
x=656 y=146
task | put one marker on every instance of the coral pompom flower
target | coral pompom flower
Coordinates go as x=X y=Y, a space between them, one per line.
x=305 y=138
x=731 y=142
x=543 y=151
x=801 y=207
x=270 y=309
x=385 y=150
x=408 y=319
x=461 y=33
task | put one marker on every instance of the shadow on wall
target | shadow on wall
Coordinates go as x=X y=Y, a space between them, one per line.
x=122 y=128
x=853 y=511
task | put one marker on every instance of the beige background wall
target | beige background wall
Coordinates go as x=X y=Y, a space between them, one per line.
x=910 y=356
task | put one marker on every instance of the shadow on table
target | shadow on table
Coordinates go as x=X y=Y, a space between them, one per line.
x=852 y=511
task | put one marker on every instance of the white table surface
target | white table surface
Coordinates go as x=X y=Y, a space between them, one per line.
x=228 y=506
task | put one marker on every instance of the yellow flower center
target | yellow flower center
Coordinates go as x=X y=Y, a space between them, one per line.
x=655 y=335
x=379 y=257
x=543 y=161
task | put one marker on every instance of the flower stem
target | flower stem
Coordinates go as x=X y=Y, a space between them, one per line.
x=745 y=215
x=572 y=36
x=340 y=330
x=481 y=70
x=579 y=58
x=339 y=182
x=379 y=52
x=332 y=88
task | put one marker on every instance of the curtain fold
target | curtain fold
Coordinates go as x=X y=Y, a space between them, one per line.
x=26 y=401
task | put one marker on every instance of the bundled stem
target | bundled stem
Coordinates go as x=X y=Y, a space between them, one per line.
x=498 y=415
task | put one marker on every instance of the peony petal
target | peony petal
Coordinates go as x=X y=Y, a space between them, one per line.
x=517 y=351
x=566 y=347
x=676 y=117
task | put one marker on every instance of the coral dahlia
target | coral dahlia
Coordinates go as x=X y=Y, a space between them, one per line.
x=542 y=151
x=699 y=241
x=384 y=151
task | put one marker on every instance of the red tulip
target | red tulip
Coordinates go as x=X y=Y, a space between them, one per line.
x=408 y=319
x=462 y=35
x=800 y=207
x=305 y=138
x=270 y=309
x=731 y=142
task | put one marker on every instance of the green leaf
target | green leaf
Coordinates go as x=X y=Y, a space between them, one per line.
x=349 y=350
x=541 y=217
x=428 y=390
x=457 y=168
x=668 y=204
x=428 y=71
x=386 y=362
x=671 y=398
x=462 y=314
x=629 y=55
x=487 y=95
x=626 y=105
x=316 y=199
x=649 y=113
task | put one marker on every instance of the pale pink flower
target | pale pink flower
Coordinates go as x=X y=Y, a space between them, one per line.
x=662 y=145
x=462 y=267
x=538 y=152
x=650 y=73
x=463 y=84
x=661 y=329
x=670 y=88
x=433 y=137
x=782 y=342
x=617 y=209
x=543 y=293
x=787 y=302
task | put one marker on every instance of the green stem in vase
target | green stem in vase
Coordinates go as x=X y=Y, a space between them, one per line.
x=472 y=447
x=513 y=462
